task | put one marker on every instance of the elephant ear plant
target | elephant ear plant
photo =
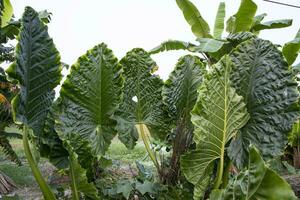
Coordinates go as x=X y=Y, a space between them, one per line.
x=218 y=114
x=141 y=112
x=179 y=96
x=38 y=70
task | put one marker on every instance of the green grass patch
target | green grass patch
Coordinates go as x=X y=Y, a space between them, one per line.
x=118 y=151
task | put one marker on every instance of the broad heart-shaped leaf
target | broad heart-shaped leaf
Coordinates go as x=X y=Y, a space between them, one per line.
x=142 y=101
x=217 y=115
x=243 y=19
x=180 y=90
x=262 y=77
x=257 y=182
x=192 y=15
x=38 y=70
x=89 y=97
x=6 y=12
x=219 y=21
x=291 y=49
x=172 y=45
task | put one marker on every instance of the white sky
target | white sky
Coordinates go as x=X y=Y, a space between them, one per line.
x=78 y=25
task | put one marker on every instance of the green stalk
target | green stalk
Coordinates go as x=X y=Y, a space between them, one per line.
x=75 y=194
x=144 y=132
x=225 y=178
x=47 y=193
x=219 y=173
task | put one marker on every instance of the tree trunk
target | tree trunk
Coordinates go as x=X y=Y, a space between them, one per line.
x=296 y=158
x=6 y=184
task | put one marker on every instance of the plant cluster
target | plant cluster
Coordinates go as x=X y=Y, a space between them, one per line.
x=214 y=121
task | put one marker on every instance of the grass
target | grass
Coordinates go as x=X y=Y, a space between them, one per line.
x=118 y=151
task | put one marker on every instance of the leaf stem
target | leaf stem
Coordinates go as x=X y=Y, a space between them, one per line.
x=75 y=195
x=47 y=193
x=144 y=132
x=219 y=173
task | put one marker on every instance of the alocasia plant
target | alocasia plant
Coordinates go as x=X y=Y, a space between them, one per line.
x=37 y=69
x=141 y=111
x=258 y=181
x=218 y=114
x=262 y=77
x=180 y=95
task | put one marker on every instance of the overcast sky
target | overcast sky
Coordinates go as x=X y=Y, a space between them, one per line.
x=78 y=25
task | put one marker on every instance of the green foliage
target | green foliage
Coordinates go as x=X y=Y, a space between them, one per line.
x=219 y=21
x=172 y=45
x=243 y=19
x=217 y=115
x=7 y=149
x=6 y=12
x=89 y=97
x=179 y=96
x=37 y=69
x=180 y=90
x=294 y=135
x=291 y=49
x=257 y=182
x=50 y=145
x=281 y=23
x=79 y=182
x=209 y=45
x=191 y=14
x=262 y=77
x=142 y=100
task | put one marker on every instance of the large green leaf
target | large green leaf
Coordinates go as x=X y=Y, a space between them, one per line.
x=192 y=15
x=217 y=115
x=6 y=12
x=209 y=45
x=257 y=182
x=281 y=23
x=89 y=97
x=38 y=70
x=219 y=21
x=172 y=45
x=180 y=95
x=243 y=19
x=180 y=90
x=142 y=102
x=291 y=49
x=263 y=78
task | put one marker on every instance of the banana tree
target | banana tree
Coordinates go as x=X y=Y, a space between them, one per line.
x=213 y=46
